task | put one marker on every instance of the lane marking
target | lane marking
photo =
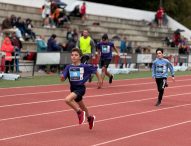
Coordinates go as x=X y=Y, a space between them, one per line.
x=102 y=105
x=94 y=81
x=90 y=96
x=56 y=91
x=142 y=133
x=99 y=121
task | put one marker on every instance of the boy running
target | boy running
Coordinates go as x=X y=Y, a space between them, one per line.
x=105 y=47
x=160 y=73
x=78 y=74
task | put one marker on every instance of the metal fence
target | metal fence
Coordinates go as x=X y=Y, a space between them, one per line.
x=31 y=64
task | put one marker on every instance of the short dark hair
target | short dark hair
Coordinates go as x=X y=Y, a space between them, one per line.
x=53 y=36
x=77 y=50
x=105 y=37
x=159 y=49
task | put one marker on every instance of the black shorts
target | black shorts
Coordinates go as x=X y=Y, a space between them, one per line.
x=105 y=63
x=79 y=91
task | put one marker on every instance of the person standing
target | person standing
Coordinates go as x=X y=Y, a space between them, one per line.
x=87 y=46
x=160 y=73
x=83 y=11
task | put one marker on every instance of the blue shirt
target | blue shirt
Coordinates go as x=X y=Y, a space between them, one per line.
x=79 y=74
x=160 y=68
x=105 y=49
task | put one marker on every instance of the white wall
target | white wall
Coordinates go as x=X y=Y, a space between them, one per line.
x=107 y=10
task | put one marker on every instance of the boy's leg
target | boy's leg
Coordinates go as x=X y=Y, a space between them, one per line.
x=83 y=107
x=160 y=85
x=106 y=65
x=91 y=119
x=103 y=73
x=70 y=101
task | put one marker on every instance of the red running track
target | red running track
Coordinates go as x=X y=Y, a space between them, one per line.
x=125 y=115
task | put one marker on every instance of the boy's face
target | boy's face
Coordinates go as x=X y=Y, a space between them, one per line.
x=75 y=57
x=159 y=54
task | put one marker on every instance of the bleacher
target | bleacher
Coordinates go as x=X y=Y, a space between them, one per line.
x=139 y=32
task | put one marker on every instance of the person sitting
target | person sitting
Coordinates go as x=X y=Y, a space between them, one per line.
x=8 y=48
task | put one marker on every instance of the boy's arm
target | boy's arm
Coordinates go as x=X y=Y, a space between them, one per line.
x=93 y=47
x=99 y=79
x=153 y=70
x=171 y=70
x=64 y=74
x=62 y=78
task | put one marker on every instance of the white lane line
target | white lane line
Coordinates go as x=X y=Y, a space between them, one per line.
x=108 y=119
x=94 y=81
x=91 y=96
x=66 y=84
x=96 y=106
x=57 y=91
x=142 y=133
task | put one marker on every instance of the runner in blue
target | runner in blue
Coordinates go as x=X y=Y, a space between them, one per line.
x=160 y=73
x=78 y=74
x=105 y=48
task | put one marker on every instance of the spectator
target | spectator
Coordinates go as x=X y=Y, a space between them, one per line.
x=21 y=26
x=29 y=31
x=13 y=20
x=41 y=44
x=159 y=16
x=62 y=18
x=71 y=44
x=17 y=50
x=87 y=46
x=53 y=46
x=46 y=11
x=69 y=34
x=41 y=47
x=8 y=48
x=137 y=51
x=76 y=11
x=129 y=54
x=177 y=37
x=6 y=24
x=123 y=48
x=83 y=12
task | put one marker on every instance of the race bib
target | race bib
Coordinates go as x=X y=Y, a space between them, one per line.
x=105 y=49
x=161 y=69
x=76 y=73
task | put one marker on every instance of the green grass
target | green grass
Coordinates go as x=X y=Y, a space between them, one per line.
x=54 y=79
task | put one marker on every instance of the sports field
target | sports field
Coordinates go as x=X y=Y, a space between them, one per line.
x=125 y=114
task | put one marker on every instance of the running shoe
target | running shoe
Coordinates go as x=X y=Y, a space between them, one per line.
x=158 y=103
x=81 y=117
x=91 y=121
x=166 y=84
x=110 y=79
